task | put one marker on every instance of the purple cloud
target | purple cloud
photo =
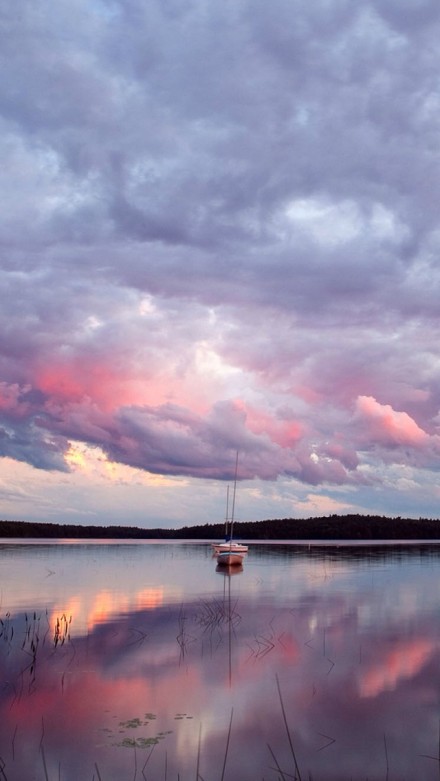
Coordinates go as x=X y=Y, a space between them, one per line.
x=219 y=232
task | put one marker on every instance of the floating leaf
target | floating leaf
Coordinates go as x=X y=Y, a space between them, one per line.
x=144 y=742
x=139 y=743
x=131 y=723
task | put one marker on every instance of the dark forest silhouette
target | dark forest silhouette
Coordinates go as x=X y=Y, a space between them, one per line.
x=333 y=527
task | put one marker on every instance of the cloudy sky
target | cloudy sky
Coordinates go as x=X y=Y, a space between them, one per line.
x=219 y=232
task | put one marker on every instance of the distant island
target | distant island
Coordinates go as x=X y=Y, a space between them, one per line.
x=332 y=527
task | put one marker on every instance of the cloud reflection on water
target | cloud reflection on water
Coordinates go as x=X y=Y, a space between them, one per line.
x=360 y=695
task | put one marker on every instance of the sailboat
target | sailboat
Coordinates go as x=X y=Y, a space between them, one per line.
x=230 y=553
x=228 y=544
x=230 y=558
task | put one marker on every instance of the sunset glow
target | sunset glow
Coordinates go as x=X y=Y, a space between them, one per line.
x=203 y=254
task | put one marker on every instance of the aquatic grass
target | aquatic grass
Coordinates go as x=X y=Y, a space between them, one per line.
x=29 y=639
x=30 y=645
x=265 y=643
x=48 y=628
x=46 y=775
x=329 y=740
x=283 y=711
x=13 y=741
x=198 y=753
x=435 y=758
x=227 y=746
x=147 y=760
x=3 y=775
x=386 y=756
x=264 y=646
x=142 y=636
x=277 y=766
x=183 y=638
x=62 y=630
x=97 y=772
x=7 y=630
x=216 y=612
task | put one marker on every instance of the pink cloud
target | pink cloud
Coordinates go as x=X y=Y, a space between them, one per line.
x=285 y=433
x=387 y=426
x=89 y=377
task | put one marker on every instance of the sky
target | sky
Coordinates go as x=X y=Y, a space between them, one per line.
x=219 y=233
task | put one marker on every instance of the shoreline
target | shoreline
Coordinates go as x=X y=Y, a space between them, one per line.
x=354 y=528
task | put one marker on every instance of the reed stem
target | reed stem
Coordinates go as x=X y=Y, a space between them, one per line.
x=227 y=745
x=287 y=730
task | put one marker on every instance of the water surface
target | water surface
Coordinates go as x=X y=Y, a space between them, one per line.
x=128 y=660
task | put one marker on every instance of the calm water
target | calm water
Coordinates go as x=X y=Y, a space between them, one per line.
x=122 y=662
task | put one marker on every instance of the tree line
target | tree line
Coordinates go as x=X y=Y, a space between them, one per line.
x=333 y=527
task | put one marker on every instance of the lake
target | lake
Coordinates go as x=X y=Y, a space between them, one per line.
x=123 y=661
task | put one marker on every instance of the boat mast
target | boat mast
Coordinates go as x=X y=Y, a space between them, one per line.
x=233 y=495
x=227 y=512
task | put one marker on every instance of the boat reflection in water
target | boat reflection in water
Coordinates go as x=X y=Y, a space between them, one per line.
x=228 y=570
x=233 y=618
x=142 y=661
